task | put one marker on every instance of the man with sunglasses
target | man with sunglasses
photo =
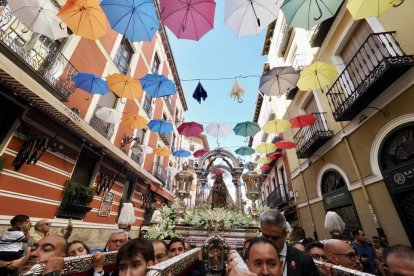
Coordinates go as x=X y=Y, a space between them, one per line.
x=340 y=252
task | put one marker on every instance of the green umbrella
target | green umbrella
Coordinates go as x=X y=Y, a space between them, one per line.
x=243 y=151
x=246 y=129
x=308 y=13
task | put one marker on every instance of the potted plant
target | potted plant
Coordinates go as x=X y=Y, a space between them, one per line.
x=78 y=193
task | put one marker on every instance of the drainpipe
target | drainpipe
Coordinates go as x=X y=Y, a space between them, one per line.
x=315 y=235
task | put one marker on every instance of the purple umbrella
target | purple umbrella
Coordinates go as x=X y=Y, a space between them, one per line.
x=189 y=19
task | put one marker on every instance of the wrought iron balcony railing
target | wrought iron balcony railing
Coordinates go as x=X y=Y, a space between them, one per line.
x=170 y=104
x=160 y=172
x=375 y=66
x=166 y=138
x=277 y=198
x=105 y=129
x=138 y=158
x=148 y=106
x=37 y=55
x=310 y=138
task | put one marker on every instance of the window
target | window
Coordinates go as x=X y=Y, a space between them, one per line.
x=123 y=56
x=283 y=188
x=129 y=190
x=86 y=166
x=155 y=65
x=274 y=183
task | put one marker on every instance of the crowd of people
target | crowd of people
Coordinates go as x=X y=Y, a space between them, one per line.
x=268 y=254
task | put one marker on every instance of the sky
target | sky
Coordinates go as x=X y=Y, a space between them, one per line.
x=220 y=53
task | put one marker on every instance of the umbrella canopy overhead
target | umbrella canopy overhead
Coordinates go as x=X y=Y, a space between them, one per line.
x=275 y=155
x=134 y=19
x=39 y=16
x=276 y=126
x=316 y=76
x=146 y=149
x=134 y=121
x=249 y=17
x=181 y=153
x=308 y=13
x=246 y=129
x=200 y=153
x=108 y=115
x=285 y=145
x=265 y=148
x=84 y=17
x=190 y=129
x=263 y=160
x=247 y=165
x=188 y=19
x=302 y=120
x=237 y=92
x=124 y=86
x=199 y=93
x=244 y=151
x=218 y=130
x=91 y=83
x=360 y=9
x=279 y=81
x=162 y=151
x=160 y=126
x=157 y=85
x=265 y=167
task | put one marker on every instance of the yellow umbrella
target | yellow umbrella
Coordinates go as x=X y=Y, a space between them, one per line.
x=276 y=126
x=316 y=76
x=360 y=9
x=124 y=86
x=84 y=17
x=162 y=151
x=266 y=148
x=134 y=121
x=263 y=160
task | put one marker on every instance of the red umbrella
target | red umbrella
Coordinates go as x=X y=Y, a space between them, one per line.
x=200 y=153
x=265 y=168
x=190 y=129
x=302 y=120
x=275 y=155
x=188 y=19
x=217 y=171
x=285 y=145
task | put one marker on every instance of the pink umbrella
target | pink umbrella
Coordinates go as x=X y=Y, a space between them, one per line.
x=190 y=129
x=275 y=155
x=190 y=19
x=285 y=145
x=200 y=153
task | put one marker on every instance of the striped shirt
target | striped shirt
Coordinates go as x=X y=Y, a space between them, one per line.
x=11 y=241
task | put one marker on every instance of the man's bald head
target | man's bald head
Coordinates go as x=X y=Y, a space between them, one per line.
x=340 y=252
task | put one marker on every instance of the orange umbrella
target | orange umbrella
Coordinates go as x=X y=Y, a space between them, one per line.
x=124 y=86
x=134 y=121
x=162 y=151
x=84 y=17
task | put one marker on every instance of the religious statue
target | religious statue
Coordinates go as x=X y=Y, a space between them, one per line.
x=218 y=199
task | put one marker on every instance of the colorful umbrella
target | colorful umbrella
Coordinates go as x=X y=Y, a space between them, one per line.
x=91 y=83
x=246 y=129
x=84 y=17
x=108 y=115
x=190 y=129
x=146 y=149
x=247 y=165
x=265 y=168
x=265 y=148
x=360 y=9
x=134 y=19
x=308 y=13
x=157 y=85
x=39 y=16
x=279 y=81
x=237 y=92
x=285 y=145
x=263 y=160
x=275 y=155
x=276 y=126
x=199 y=93
x=316 y=76
x=244 y=151
x=181 y=153
x=188 y=19
x=134 y=121
x=162 y=151
x=302 y=120
x=124 y=86
x=160 y=126
x=217 y=171
x=218 y=130
x=200 y=153
x=249 y=17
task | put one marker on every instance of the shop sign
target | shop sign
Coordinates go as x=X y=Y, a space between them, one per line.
x=336 y=199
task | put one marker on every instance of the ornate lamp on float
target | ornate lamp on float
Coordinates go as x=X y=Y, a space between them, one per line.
x=184 y=180
x=253 y=185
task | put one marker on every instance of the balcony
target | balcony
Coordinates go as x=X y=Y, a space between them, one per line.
x=277 y=198
x=320 y=32
x=148 y=106
x=170 y=104
x=105 y=129
x=376 y=65
x=38 y=56
x=160 y=172
x=138 y=158
x=166 y=138
x=311 y=138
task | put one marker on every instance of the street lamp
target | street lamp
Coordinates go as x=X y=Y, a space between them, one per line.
x=128 y=140
x=253 y=185
x=184 y=180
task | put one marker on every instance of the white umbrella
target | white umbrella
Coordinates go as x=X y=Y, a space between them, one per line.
x=39 y=16
x=146 y=149
x=237 y=92
x=278 y=81
x=218 y=130
x=249 y=17
x=108 y=115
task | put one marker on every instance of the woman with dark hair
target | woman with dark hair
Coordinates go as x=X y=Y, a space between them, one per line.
x=77 y=248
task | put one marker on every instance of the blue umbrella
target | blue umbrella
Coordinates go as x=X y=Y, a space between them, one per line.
x=160 y=126
x=157 y=85
x=135 y=19
x=91 y=83
x=181 y=153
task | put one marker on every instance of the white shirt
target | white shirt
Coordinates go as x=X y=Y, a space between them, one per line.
x=11 y=241
x=282 y=258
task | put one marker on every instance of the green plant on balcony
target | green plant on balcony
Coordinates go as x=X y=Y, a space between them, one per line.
x=79 y=191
